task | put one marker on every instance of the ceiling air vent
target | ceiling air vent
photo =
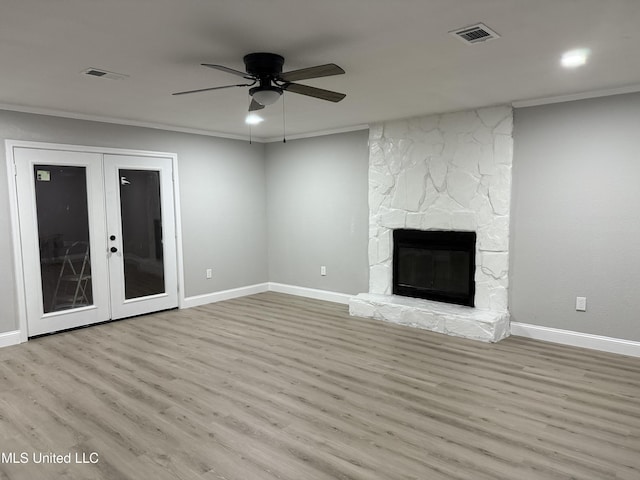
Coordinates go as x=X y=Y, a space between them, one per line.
x=96 y=72
x=475 y=33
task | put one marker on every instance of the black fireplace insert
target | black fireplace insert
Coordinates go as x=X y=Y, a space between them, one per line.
x=435 y=265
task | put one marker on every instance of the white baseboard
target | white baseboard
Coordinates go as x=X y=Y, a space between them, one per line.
x=9 y=338
x=326 y=295
x=577 y=339
x=198 y=300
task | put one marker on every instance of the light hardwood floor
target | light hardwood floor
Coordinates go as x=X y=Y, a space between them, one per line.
x=279 y=387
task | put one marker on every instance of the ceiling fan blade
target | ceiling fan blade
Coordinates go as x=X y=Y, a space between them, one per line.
x=311 y=72
x=228 y=70
x=253 y=106
x=211 y=88
x=314 y=92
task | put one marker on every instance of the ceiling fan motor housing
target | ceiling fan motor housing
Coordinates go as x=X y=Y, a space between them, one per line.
x=264 y=65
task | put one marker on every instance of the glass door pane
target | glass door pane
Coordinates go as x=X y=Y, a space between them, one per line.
x=63 y=235
x=142 y=248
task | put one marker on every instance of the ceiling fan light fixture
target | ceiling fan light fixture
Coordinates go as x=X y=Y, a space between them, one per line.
x=266 y=95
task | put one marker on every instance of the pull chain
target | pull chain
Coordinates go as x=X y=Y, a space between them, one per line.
x=250 y=129
x=284 y=138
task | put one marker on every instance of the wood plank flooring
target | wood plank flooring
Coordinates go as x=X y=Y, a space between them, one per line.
x=279 y=387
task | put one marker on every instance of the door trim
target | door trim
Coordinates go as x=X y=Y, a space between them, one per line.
x=18 y=258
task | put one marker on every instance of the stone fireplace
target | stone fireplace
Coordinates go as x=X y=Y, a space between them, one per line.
x=449 y=172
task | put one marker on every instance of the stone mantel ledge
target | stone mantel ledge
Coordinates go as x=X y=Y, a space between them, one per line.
x=457 y=320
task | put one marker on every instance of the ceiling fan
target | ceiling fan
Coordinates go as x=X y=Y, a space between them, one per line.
x=264 y=71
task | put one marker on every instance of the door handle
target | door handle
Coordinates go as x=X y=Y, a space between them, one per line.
x=113 y=249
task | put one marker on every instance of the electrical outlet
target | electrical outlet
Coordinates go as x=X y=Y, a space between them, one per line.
x=209 y=273
x=323 y=270
x=581 y=304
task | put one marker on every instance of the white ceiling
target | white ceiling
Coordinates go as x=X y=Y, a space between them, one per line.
x=399 y=59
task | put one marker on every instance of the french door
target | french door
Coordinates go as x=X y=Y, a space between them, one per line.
x=98 y=236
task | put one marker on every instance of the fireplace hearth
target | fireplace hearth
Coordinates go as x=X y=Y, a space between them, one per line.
x=435 y=265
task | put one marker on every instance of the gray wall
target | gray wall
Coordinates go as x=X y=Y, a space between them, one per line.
x=222 y=194
x=318 y=213
x=576 y=216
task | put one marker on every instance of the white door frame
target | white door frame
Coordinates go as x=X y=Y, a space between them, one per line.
x=18 y=258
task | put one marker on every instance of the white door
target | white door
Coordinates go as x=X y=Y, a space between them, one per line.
x=70 y=206
x=141 y=234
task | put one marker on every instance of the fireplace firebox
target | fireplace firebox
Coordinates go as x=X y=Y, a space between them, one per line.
x=435 y=265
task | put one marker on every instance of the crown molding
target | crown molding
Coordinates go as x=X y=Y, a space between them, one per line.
x=121 y=121
x=171 y=128
x=320 y=133
x=576 y=96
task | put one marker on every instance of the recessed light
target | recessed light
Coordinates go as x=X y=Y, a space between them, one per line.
x=575 y=58
x=253 y=119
